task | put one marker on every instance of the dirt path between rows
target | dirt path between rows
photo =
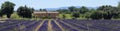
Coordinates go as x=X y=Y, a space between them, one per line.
x=50 y=26
x=59 y=25
x=70 y=25
x=37 y=28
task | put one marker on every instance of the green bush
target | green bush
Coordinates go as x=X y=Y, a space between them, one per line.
x=96 y=15
x=76 y=15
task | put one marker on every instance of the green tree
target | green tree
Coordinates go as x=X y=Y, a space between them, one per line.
x=64 y=16
x=7 y=8
x=96 y=15
x=107 y=15
x=25 y=12
x=118 y=15
x=59 y=10
x=40 y=9
x=72 y=8
x=75 y=14
x=119 y=6
x=87 y=15
x=83 y=10
x=63 y=11
x=110 y=11
x=45 y=10
x=32 y=9
x=0 y=13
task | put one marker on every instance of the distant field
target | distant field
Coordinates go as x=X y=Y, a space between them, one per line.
x=60 y=25
x=68 y=16
x=15 y=16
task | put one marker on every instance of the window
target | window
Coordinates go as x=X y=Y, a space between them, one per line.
x=49 y=15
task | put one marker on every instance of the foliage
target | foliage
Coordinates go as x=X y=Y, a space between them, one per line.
x=25 y=12
x=14 y=15
x=64 y=16
x=7 y=8
x=96 y=15
x=118 y=6
x=43 y=10
x=87 y=15
x=40 y=10
x=75 y=14
x=83 y=10
x=1 y=13
x=62 y=11
x=72 y=8
x=110 y=11
x=117 y=14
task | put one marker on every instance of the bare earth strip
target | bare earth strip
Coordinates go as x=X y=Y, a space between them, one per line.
x=49 y=25
x=59 y=25
x=37 y=28
x=71 y=26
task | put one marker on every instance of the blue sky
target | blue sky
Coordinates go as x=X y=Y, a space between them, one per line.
x=37 y=4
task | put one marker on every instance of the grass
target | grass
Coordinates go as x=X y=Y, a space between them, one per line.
x=68 y=16
x=15 y=16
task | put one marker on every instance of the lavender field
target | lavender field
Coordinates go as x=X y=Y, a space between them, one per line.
x=60 y=25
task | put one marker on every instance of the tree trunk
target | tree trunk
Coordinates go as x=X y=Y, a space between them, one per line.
x=8 y=15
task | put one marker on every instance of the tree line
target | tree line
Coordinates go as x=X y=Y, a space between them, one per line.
x=102 y=12
x=7 y=9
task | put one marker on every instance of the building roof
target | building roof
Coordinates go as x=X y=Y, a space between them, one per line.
x=45 y=12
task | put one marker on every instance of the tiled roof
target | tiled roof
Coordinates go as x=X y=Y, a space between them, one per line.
x=46 y=12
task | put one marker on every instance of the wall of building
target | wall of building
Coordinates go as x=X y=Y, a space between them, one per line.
x=51 y=15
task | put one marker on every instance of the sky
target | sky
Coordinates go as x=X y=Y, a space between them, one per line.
x=37 y=4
